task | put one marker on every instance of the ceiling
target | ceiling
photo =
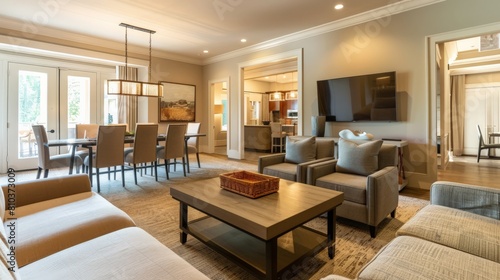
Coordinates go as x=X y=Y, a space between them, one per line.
x=185 y=28
x=473 y=55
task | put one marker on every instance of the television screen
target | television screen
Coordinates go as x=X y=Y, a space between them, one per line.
x=359 y=98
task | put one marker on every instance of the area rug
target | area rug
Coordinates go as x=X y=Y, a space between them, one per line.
x=152 y=208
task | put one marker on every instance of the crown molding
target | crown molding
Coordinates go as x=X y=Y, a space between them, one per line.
x=388 y=10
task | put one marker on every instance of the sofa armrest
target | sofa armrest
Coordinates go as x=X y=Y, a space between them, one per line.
x=480 y=200
x=30 y=192
x=270 y=160
x=317 y=170
x=302 y=168
x=382 y=192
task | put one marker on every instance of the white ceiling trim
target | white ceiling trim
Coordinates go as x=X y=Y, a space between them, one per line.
x=65 y=52
x=389 y=10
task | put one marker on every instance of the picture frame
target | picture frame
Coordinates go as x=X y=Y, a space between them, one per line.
x=178 y=103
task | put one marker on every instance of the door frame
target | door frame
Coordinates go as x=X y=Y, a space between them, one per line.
x=236 y=117
x=211 y=124
x=51 y=105
x=5 y=58
x=431 y=83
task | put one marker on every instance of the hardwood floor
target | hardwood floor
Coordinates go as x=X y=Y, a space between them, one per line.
x=465 y=169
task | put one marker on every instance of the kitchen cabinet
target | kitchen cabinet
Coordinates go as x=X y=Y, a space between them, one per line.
x=283 y=106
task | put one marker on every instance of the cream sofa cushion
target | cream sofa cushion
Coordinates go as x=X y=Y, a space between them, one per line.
x=464 y=231
x=129 y=253
x=50 y=226
x=409 y=258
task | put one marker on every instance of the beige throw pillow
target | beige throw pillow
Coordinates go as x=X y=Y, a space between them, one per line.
x=299 y=150
x=361 y=159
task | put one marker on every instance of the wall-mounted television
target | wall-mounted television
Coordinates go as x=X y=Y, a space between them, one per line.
x=361 y=98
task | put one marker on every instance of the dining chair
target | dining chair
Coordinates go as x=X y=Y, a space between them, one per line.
x=192 y=142
x=173 y=147
x=45 y=160
x=484 y=146
x=85 y=131
x=278 y=137
x=144 y=148
x=109 y=151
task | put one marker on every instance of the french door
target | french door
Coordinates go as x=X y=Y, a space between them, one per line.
x=57 y=99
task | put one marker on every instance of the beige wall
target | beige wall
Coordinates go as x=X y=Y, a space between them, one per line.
x=394 y=43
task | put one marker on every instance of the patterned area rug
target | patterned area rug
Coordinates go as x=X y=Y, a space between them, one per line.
x=153 y=209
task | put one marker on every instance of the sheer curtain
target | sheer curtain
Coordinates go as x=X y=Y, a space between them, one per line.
x=127 y=105
x=457 y=114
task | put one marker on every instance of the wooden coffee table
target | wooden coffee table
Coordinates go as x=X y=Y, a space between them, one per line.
x=264 y=235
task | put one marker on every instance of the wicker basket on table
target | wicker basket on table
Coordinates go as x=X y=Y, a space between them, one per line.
x=249 y=184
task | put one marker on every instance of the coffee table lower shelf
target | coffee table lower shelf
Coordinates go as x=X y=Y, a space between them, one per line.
x=250 y=252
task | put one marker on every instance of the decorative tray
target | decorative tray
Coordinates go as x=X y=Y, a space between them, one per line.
x=249 y=184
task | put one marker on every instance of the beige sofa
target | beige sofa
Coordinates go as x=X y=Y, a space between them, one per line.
x=58 y=228
x=457 y=236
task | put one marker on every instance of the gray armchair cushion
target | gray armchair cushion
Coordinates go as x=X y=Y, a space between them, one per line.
x=361 y=159
x=287 y=171
x=299 y=150
x=353 y=186
x=325 y=147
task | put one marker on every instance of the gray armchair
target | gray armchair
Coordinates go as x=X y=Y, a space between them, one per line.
x=301 y=151
x=367 y=175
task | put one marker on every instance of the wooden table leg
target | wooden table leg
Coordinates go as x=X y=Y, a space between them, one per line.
x=183 y=216
x=331 y=232
x=272 y=258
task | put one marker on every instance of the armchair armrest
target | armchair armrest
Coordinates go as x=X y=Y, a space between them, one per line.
x=302 y=168
x=320 y=169
x=270 y=160
x=480 y=200
x=30 y=192
x=382 y=192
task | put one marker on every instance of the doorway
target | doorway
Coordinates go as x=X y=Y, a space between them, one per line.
x=57 y=99
x=219 y=117
x=443 y=50
x=238 y=151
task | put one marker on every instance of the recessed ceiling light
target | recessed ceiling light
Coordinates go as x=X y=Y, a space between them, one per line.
x=243 y=40
x=205 y=51
x=339 y=6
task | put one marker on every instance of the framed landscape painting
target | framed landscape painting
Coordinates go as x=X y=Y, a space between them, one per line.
x=178 y=103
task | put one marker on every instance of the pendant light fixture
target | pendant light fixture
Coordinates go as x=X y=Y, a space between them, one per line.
x=276 y=96
x=135 y=88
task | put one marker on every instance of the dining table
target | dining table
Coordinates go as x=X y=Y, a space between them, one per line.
x=90 y=142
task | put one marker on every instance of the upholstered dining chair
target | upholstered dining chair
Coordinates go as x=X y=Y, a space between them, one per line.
x=45 y=160
x=85 y=130
x=484 y=146
x=109 y=151
x=173 y=147
x=144 y=148
x=192 y=143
